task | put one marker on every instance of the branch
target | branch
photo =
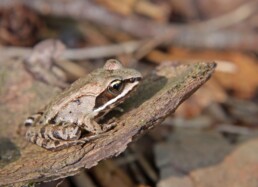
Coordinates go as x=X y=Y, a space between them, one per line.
x=159 y=94
x=79 y=54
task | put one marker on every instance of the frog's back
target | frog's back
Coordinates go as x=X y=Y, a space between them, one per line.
x=84 y=86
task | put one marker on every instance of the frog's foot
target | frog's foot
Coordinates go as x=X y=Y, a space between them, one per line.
x=119 y=109
x=54 y=137
x=108 y=126
x=89 y=138
x=54 y=140
x=56 y=145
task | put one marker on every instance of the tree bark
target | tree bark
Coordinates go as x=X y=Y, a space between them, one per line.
x=21 y=162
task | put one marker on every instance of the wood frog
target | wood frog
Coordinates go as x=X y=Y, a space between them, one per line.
x=78 y=109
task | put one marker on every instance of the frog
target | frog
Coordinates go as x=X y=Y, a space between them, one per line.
x=73 y=116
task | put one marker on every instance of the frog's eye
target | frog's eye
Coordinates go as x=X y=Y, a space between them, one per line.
x=116 y=87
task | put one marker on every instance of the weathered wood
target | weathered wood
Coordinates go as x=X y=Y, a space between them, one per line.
x=21 y=162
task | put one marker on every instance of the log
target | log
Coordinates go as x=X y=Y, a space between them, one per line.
x=22 y=163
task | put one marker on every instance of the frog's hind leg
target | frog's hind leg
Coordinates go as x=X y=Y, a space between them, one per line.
x=56 y=145
x=92 y=126
x=54 y=132
x=33 y=119
x=49 y=136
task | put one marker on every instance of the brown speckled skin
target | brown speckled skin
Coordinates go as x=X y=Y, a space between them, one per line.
x=61 y=123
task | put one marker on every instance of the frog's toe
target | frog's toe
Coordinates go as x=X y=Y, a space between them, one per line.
x=109 y=126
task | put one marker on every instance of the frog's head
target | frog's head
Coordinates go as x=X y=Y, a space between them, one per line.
x=119 y=83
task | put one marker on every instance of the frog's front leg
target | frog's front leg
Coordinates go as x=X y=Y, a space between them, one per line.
x=56 y=137
x=91 y=125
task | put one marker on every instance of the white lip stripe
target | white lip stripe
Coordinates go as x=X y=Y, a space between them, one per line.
x=29 y=121
x=114 y=99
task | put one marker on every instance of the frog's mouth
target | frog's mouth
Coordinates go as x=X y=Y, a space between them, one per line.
x=104 y=103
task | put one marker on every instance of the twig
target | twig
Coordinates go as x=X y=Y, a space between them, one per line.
x=78 y=54
x=102 y=51
x=220 y=40
x=191 y=34
x=85 y=9
x=234 y=17
x=229 y=128
x=229 y=39
x=13 y=52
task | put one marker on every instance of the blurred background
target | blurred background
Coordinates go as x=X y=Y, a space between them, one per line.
x=211 y=140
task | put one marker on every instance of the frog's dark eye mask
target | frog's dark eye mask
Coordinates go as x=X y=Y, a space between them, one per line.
x=116 y=91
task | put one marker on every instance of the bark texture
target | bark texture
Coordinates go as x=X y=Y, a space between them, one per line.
x=21 y=162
